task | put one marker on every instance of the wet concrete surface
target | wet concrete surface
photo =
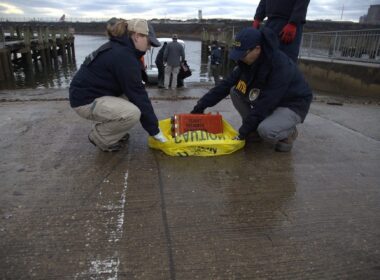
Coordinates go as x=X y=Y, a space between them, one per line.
x=69 y=211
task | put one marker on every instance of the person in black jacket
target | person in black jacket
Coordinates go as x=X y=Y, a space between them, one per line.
x=160 y=65
x=216 y=61
x=266 y=88
x=286 y=18
x=108 y=87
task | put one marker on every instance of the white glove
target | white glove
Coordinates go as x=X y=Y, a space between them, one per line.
x=237 y=137
x=160 y=137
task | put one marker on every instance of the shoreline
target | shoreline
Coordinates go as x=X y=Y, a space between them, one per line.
x=192 y=90
x=166 y=35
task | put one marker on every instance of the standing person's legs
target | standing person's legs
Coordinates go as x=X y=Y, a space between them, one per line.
x=280 y=128
x=161 y=73
x=215 y=73
x=168 y=71
x=114 y=117
x=175 y=71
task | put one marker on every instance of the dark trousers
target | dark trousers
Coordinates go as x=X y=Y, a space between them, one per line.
x=161 y=74
x=215 y=71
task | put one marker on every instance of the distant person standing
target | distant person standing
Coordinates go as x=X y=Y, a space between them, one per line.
x=160 y=65
x=286 y=18
x=216 y=61
x=174 y=54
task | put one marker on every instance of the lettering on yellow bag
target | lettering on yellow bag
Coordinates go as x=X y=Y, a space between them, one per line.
x=197 y=143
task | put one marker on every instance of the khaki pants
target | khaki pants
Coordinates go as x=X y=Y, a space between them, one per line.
x=114 y=116
x=174 y=71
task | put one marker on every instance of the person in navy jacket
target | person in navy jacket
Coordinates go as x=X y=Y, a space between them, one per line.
x=286 y=18
x=266 y=88
x=108 y=87
x=216 y=61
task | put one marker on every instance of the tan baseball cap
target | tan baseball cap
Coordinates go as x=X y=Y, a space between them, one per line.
x=142 y=26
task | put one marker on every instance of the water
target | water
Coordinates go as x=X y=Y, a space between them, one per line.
x=59 y=74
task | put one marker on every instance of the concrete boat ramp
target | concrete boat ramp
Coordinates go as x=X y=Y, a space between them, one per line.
x=69 y=211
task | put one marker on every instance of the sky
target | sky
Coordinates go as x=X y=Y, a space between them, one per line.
x=346 y=10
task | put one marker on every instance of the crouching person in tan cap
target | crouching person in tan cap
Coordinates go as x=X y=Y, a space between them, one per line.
x=108 y=87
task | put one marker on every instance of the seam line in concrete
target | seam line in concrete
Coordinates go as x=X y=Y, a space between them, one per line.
x=165 y=222
x=347 y=128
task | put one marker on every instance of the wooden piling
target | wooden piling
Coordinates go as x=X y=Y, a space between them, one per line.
x=41 y=46
x=6 y=69
x=26 y=51
x=62 y=46
x=2 y=38
x=70 y=32
x=18 y=33
x=73 y=48
x=47 y=44
x=68 y=49
x=54 y=42
x=4 y=61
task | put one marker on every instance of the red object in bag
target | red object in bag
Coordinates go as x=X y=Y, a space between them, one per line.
x=182 y=123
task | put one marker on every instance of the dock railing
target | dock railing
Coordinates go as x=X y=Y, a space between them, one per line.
x=352 y=45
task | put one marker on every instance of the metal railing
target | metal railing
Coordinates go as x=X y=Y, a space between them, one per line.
x=353 y=45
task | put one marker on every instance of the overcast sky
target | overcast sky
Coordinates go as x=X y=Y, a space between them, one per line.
x=174 y=9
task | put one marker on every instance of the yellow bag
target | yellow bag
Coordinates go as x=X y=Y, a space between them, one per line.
x=197 y=143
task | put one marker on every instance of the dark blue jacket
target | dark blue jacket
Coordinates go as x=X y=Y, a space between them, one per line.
x=292 y=10
x=216 y=55
x=114 y=72
x=160 y=56
x=275 y=80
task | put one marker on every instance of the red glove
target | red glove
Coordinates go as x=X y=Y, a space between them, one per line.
x=288 y=33
x=256 y=24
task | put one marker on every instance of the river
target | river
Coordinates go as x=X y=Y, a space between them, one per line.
x=60 y=75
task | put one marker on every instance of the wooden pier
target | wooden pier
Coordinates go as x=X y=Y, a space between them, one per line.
x=25 y=45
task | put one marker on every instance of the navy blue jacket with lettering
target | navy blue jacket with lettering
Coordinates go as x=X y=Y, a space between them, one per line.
x=292 y=10
x=116 y=70
x=273 y=80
